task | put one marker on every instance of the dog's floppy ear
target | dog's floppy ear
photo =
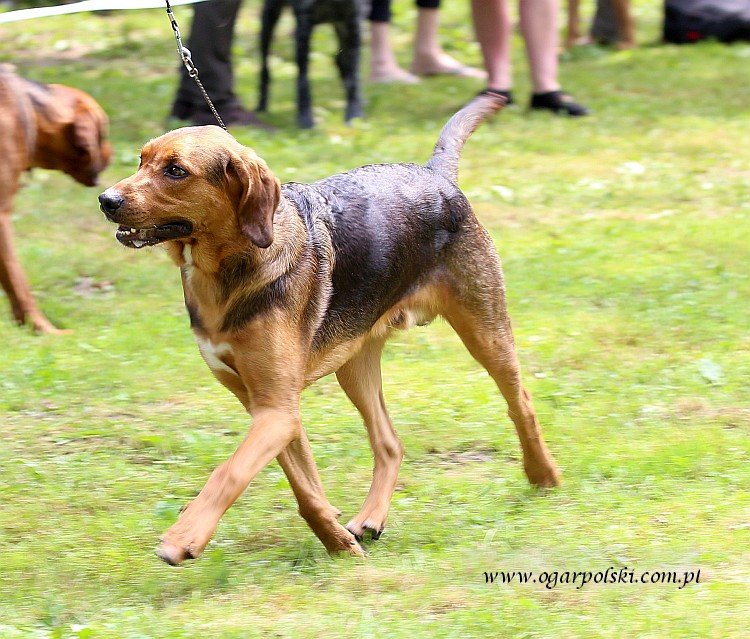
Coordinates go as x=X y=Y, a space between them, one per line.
x=256 y=192
x=80 y=135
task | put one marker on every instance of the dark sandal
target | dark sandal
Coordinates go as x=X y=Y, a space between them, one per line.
x=557 y=102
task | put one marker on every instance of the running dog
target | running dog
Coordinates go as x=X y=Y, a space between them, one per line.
x=286 y=284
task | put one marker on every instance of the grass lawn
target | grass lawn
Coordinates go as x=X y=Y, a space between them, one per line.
x=625 y=238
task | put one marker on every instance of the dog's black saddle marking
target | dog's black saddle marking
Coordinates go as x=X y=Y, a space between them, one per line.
x=388 y=225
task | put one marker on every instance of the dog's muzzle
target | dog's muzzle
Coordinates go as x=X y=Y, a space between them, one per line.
x=112 y=205
x=110 y=202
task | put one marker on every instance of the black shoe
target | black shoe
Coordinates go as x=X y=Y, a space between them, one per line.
x=557 y=102
x=507 y=94
x=233 y=115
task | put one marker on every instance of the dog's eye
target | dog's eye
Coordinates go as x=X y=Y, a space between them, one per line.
x=175 y=171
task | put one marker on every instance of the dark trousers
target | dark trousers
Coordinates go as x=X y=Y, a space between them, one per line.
x=604 y=25
x=380 y=10
x=210 y=44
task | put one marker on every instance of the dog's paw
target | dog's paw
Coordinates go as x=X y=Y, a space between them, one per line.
x=365 y=528
x=305 y=121
x=337 y=539
x=353 y=111
x=544 y=476
x=188 y=537
x=173 y=554
x=349 y=545
x=42 y=326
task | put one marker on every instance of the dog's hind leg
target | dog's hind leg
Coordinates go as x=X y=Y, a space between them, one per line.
x=270 y=16
x=298 y=464
x=360 y=378
x=474 y=305
x=304 y=100
x=347 y=61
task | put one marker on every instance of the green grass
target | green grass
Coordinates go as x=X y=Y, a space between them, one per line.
x=625 y=239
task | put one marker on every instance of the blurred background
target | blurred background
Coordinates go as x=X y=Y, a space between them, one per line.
x=624 y=237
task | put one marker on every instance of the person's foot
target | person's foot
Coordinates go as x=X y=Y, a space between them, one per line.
x=557 y=102
x=233 y=115
x=440 y=63
x=391 y=74
x=578 y=41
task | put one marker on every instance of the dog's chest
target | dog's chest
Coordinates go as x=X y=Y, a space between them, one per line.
x=217 y=353
x=219 y=356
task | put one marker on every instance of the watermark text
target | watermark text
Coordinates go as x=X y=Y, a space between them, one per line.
x=580 y=578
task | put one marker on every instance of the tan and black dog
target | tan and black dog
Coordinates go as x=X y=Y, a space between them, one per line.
x=286 y=284
x=51 y=127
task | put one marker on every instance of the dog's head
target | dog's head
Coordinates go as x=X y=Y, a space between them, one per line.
x=72 y=133
x=196 y=184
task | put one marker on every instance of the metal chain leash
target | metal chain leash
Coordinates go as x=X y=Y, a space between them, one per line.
x=187 y=60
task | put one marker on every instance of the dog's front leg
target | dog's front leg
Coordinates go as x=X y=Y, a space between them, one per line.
x=269 y=18
x=271 y=432
x=299 y=466
x=304 y=100
x=22 y=304
x=347 y=60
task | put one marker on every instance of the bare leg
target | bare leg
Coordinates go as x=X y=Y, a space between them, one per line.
x=298 y=464
x=361 y=381
x=429 y=57
x=539 y=29
x=383 y=64
x=13 y=280
x=494 y=29
x=574 y=36
x=272 y=431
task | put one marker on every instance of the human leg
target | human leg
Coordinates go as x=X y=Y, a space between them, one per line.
x=429 y=57
x=383 y=64
x=539 y=27
x=493 y=29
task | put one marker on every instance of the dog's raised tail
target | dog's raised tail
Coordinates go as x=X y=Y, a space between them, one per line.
x=457 y=130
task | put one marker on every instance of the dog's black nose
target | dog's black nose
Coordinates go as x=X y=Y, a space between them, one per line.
x=110 y=201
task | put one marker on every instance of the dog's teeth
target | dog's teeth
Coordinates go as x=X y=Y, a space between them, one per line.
x=138 y=243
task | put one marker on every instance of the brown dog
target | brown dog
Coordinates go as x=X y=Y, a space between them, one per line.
x=284 y=285
x=51 y=127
